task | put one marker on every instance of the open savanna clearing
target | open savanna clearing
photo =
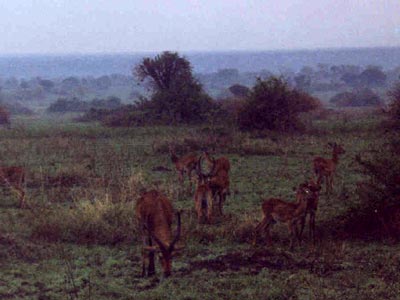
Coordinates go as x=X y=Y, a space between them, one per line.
x=78 y=237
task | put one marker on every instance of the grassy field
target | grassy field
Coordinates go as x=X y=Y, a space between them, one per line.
x=79 y=239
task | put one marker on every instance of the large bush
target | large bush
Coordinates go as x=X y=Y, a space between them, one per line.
x=379 y=209
x=273 y=105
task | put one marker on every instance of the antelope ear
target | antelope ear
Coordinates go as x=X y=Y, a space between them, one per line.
x=330 y=144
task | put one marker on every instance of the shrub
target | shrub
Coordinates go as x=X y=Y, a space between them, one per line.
x=273 y=105
x=4 y=116
x=63 y=105
x=394 y=95
x=379 y=194
x=363 y=97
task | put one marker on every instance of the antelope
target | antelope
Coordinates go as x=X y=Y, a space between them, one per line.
x=203 y=197
x=154 y=213
x=14 y=178
x=219 y=184
x=184 y=165
x=219 y=178
x=276 y=210
x=312 y=206
x=326 y=168
x=216 y=165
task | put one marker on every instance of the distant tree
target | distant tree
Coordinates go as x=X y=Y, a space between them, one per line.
x=239 y=90
x=4 y=116
x=394 y=96
x=103 y=82
x=228 y=74
x=360 y=97
x=70 y=83
x=177 y=96
x=350 y=79
x=273 y=105
x=303 y=82
x=24 y=84
x=46 y=84
x=372 y=76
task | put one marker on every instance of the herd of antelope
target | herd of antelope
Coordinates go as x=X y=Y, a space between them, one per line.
x=154 y=211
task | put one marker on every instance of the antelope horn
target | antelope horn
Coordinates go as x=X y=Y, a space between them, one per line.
x=178 y=233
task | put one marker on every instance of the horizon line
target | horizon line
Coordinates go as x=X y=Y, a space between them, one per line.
x=196 y=51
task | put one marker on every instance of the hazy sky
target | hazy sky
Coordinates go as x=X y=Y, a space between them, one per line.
x=71 y=26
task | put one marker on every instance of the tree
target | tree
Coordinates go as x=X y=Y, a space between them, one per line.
x=273 y=105
x=177 y=96
x=373 y=76
x=239 y=90
x=359 y=97
x=46 y=84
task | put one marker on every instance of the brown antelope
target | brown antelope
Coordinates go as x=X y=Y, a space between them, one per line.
x=155 y=213
x=14 y=179
x=312 y=207
x=276 y=210
x=203 y=197
x=184 y=165
x=326 y=168
x=219 y=178
x=218 y=164
x=219 y=184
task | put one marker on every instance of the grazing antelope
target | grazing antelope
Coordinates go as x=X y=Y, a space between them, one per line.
x=277 y=210
x=218 y=164
x=203 y=197
x=312 y=207
x=184 y=165
x=14 y=179
x=326 y=168
x=155 y=213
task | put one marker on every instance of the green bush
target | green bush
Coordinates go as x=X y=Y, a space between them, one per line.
x=379 y=195
x=273 y=105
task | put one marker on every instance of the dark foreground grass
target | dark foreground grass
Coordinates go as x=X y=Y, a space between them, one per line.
x=79 y=239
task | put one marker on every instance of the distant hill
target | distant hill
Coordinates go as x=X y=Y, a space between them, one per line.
x=53 y=66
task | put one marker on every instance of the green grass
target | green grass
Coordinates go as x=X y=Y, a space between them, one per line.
x=218 y=262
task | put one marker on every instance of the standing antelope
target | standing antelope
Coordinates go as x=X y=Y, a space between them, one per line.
x=326 y=168
x=219 y=184
x=276 y=210
x=184 y=165
x=218 y=164
x=155 y=213
x=203 y=197
x=312 y=207
x=14 y=179
x=219 y=178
